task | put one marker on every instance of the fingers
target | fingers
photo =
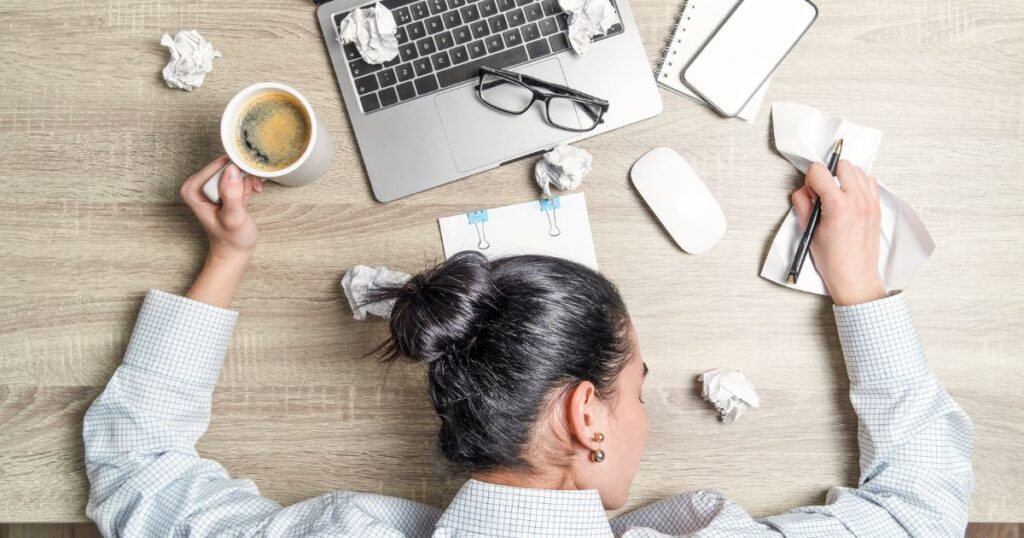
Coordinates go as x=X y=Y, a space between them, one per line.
x=232 y=195
x=803 y=202
x=192 y=189
x=851 y=178
x=820 y=180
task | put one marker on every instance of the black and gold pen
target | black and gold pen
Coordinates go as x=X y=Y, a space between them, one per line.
x=812 y=223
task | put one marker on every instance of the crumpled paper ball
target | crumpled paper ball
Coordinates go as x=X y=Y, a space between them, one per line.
x=191 y=59
x=730 y=392
x=564 y=167
x=360 y=280
x=588 y=18
x=374 y=32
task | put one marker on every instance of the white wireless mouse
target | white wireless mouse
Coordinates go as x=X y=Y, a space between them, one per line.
x=679 y=199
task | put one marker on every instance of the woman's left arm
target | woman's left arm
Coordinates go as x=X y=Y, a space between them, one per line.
x=145 y=474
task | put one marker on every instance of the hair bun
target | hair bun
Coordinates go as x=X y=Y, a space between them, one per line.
x=439 y=312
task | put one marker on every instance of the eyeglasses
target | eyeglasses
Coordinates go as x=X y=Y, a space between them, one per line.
x=515 y=93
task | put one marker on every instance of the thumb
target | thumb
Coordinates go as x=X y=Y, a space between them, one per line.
x=232 y=191
x=803 y=202
x=821 y=180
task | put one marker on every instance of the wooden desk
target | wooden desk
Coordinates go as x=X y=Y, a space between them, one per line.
x=95 y=146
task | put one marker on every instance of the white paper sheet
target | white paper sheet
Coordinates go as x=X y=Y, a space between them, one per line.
x=804 y=135
x=374 y=32
x=730 y=392
x=559 y=227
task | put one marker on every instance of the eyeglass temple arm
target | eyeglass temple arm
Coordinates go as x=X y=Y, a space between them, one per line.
x=519 y=77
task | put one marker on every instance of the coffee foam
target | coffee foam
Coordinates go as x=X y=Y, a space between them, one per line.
x=272 y=131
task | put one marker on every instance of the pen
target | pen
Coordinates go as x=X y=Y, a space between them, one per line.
x=812 y=223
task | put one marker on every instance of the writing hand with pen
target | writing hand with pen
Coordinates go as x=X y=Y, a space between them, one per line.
x=845 y=243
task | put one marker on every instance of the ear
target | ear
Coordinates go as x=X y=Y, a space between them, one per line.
x=586 y=415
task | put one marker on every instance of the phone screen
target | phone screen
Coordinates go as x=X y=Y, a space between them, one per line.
x=745 y=50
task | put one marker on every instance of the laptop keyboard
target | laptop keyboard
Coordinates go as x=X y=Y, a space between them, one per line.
x=445 y=42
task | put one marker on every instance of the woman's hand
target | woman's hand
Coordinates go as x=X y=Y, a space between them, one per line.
x=229 y=227
x=845 y=244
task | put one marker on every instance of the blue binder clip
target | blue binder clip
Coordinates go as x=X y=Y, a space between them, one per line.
x=478 y=219
x=550 y=206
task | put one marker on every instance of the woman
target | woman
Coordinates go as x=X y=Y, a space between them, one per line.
x=536 y=375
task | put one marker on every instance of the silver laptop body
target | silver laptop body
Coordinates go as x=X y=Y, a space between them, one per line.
x=410 y=143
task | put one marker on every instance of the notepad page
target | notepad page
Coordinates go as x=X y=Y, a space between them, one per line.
x=525 y=228
x=697 y=23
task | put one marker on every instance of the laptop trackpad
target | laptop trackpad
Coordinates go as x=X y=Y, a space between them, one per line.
x=479 y=135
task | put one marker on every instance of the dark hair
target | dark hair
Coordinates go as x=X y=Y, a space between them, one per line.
x=499 y=338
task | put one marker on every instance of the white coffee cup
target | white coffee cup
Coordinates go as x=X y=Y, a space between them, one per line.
x=311 y=165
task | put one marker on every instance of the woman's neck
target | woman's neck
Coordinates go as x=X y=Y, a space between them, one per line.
x=557 y=479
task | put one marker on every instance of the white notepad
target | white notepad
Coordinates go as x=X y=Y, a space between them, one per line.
x=698 y=21
x=553 y=227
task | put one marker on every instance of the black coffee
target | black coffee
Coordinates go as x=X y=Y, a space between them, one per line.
x=272 y=131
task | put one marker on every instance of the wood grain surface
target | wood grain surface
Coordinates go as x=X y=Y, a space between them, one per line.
x=94 y=147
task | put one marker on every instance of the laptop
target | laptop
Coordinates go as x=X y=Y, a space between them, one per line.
x=418 y=120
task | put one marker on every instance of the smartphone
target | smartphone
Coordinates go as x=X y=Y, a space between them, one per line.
x=745 y=50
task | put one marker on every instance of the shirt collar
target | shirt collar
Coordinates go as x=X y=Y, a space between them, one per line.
x=494 y=510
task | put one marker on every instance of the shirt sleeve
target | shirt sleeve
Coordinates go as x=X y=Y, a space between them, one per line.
x=915 y=441
x=146 y=478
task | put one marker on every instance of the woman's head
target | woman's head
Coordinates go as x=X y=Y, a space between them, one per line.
x=530 y=359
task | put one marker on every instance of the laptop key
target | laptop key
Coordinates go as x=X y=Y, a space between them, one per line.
x=548 y=26
x=387 y=96
x=436 y=6
x=434 y=24
x=563 y=26
x=393 y=62
x=477 y=49
x=538 y=48
x=494 y=43
x=426 y=84
x=404 y=72
x=515 y=18
x=440 y=61
x=351 y=52
x=497 y=24
x=369 y=102
x=470 y=13
x=443 y=40
x=422 y=66
x=534 y=12
x=462 y=35
x=419 y=11
x=401 y=36
x=488 y=8
x=456 y=3
x=451 y=19
x=459 y=55
x=360 y=68
x=407 y=52
x=479 y=29
x=558 y=42
x=366 y=84
x=416 y=31
x=512 y=38
x=406 y=90
x=393 y=4
x=402 y=16
x=506 y=5
x=386 y=78
x=471 y=70
x=522 y=3
x=425 y=46
x=551 y=7
x=531 y=32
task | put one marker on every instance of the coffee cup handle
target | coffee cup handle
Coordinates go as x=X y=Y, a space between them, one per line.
x=212 y=187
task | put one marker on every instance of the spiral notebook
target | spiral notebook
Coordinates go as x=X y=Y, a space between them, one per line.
x=557 y=226
x=698 y=20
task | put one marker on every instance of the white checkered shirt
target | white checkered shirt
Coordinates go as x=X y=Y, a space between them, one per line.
x=148 y=481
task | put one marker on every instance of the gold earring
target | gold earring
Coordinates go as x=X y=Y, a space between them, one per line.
x=597 y=455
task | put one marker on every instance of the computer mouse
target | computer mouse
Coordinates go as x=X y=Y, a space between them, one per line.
x=680 y=200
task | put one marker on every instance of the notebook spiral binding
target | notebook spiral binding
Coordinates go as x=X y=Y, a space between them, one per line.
x=668 y=41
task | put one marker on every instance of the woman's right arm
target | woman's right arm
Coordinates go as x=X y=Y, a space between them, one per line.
x=915 y=441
